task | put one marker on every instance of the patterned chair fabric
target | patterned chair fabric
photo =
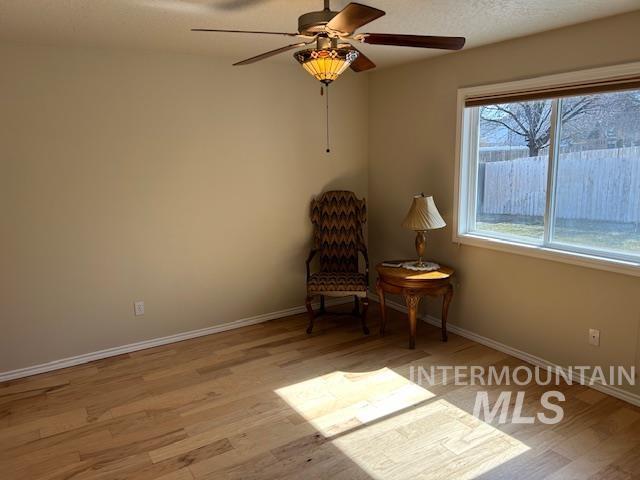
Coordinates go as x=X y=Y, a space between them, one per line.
x=327 y=282
x=338 y=218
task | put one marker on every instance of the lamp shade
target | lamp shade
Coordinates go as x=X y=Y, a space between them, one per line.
x=423 y=215
x=326 y=64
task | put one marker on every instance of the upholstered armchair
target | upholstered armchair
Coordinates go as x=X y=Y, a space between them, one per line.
x=338 y=217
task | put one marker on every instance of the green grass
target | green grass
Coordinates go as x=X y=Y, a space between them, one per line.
x=602 y=235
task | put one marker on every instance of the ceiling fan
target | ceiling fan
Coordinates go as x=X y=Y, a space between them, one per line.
x=330 y=32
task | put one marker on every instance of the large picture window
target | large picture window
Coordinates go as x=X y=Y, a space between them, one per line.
x=559 y=171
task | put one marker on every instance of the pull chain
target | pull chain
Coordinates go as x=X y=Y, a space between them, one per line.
x=327 y=103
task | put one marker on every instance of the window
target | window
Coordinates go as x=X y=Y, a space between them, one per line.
x=553 y=170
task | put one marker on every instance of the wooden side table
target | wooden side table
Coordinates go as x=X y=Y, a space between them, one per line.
x=413 y=285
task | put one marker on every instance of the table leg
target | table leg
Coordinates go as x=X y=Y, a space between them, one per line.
x=412 y=302
x=383 y=312
x=446 y=301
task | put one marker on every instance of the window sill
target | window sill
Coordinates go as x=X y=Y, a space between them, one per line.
x=573 y=258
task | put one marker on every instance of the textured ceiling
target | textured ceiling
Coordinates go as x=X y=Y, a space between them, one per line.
x=164 y=24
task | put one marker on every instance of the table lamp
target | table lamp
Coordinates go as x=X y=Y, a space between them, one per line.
x=423 y=215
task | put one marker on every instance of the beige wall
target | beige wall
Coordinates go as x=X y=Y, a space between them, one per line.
x=542 y=307
x=173 y=179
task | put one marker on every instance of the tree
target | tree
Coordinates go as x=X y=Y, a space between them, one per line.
x=613 y=121
x=531 y=120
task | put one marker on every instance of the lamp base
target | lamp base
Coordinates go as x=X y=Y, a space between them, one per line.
x=421 y=244
x=421 y=266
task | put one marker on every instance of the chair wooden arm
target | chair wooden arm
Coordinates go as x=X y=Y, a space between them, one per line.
x=312 y=254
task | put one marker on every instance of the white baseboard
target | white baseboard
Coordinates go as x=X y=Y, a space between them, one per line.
x=514 y=352
x=154 y=342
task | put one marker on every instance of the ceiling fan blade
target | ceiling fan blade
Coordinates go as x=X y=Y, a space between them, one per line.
x=245 y=31
x=271 y=53
x=352 y=17
x=362 y=62
x=420 y=41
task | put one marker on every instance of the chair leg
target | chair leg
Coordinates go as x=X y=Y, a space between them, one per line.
x=365 y=307
x=356 y=305
x=322 y=311
x=307 y=302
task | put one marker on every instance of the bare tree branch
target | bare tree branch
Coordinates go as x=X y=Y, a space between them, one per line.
x=530 y=120
x=508 y=127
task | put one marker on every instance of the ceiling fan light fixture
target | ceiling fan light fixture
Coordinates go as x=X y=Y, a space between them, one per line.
x=326 y=64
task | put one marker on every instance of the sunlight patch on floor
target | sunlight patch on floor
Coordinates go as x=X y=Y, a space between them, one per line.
x=392 y=428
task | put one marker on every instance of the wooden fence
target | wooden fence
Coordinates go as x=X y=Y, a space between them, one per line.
x=601 y=185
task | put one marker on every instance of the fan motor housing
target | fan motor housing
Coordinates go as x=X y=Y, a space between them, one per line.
x=314 y=22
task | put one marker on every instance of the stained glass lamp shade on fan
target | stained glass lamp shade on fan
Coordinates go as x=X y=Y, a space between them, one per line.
x=326 y=65
x=422 y=216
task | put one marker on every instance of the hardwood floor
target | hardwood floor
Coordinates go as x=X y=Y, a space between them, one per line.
x=270 y=402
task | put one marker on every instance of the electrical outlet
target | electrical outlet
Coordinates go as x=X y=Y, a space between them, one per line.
x=138 y=308
x=594 y=337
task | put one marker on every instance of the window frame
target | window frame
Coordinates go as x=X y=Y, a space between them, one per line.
x=467 y=140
